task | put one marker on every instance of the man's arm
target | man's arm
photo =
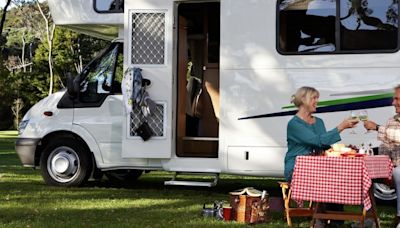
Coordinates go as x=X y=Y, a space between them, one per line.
x=386 y=134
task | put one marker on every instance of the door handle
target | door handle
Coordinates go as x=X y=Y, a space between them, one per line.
x=204 y=68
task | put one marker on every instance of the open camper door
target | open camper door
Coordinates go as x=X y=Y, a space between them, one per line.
x=148 y=45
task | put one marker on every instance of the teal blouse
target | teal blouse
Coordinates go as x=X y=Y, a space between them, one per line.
x=303 y=138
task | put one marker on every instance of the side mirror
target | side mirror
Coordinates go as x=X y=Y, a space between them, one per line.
x=72 y=86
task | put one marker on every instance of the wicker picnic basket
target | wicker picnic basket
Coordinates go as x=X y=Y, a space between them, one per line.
x=248 y=207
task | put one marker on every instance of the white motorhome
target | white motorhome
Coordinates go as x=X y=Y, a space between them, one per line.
x=222 y=74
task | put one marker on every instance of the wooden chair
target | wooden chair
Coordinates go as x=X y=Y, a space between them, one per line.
x=293 y=211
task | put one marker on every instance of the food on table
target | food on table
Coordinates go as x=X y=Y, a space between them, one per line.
x=340 y=149
x=332 y=153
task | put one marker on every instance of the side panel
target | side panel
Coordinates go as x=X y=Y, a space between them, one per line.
x=247 y=159
x=104 y=124
x=148 y=45
x=257 y=80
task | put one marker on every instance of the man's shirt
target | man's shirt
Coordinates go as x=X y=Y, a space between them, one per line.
x=389 y=134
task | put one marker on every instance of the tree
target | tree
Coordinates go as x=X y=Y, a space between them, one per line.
x=16 y=109
x=27 y=42
x=49 y=35
x=3 y=17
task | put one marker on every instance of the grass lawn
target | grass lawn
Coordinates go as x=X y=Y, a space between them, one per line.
x=26 y=202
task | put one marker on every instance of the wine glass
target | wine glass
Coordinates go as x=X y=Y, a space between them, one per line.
x=354 y=115
x=363 y=116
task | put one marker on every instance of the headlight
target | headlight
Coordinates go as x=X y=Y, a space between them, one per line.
x=22 y=126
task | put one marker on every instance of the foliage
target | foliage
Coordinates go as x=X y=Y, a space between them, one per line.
x=24 y=41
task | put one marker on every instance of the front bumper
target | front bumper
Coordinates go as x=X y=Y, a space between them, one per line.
x=26 y=148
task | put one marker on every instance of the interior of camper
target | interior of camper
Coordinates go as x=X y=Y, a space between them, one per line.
x=198 y=36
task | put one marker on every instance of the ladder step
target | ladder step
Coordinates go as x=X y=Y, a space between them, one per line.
x=174 y=180
x=201 y=138
x=197 y=174
x=190 y=183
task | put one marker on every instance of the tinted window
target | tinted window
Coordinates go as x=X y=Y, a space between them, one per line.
x=109 y=6
x=307 y=26
x=362 y=26
x=368 y=24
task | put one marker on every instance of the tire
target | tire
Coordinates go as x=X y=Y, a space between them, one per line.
x=123 y=177
x=65 y=162
x=384 y=192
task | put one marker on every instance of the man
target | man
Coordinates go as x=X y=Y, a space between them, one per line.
x=389 y=135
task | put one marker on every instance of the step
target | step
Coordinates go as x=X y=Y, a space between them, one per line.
x=188 y=138
x=174 y=180
x=190 y=183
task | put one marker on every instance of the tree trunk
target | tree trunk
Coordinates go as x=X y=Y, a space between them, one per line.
x=23 y=52
x=49 y=35
x=18 y=104
x=50 y=42
x=3 y=17
x=79 y=63
x=30 y=57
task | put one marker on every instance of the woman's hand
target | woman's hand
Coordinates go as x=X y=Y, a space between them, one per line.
x=347 y=123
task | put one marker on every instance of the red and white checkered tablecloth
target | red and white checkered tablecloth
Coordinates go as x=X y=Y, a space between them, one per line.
x=341 y=180
x=379 y=166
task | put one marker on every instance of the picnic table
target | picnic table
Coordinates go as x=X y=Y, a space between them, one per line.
x=339 y=180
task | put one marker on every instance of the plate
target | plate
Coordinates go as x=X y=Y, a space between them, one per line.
x=352 y=155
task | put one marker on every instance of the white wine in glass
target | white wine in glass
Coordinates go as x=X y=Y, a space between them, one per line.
x=363 y=115
x=354 y=115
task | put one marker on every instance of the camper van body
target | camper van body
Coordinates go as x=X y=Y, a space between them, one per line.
x=245 y=67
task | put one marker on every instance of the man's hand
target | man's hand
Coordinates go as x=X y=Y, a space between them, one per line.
x=370 y=125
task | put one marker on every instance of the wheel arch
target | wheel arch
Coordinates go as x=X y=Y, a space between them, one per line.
x=84 y=139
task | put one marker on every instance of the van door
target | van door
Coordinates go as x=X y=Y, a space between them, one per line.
x=98 y=109
x=148 y=45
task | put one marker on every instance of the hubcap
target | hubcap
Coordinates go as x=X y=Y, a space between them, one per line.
x=63 y=164
x=384 y=192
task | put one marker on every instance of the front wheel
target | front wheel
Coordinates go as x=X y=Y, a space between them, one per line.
x=65 y=162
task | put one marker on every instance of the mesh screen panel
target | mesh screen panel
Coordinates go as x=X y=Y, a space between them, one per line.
x=148 y=38
x=155 y=121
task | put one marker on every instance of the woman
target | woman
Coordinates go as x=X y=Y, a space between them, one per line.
x=306 y=133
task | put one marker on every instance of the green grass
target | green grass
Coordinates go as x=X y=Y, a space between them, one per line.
x=26 y=202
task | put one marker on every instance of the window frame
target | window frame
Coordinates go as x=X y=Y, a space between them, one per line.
x=337 y=37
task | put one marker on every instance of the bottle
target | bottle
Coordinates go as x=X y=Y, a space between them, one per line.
x=264 y=193
x=362 y=149
x=370 y=150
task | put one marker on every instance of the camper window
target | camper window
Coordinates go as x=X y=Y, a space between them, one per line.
x=359 y=26
x=109 y=6
x=368 y=25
